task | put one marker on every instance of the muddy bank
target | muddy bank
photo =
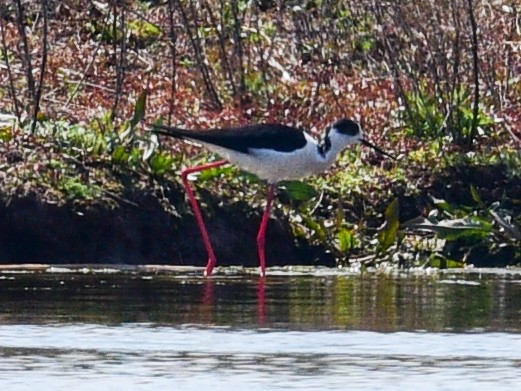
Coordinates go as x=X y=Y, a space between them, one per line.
x=141 y=231
x=151 y=223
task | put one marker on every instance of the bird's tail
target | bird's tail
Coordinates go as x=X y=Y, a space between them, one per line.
x=170 y=131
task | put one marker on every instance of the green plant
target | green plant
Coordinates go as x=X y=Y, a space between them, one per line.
x=161 y=163
x=491 y=227
x=75 y=189
x=430 y=116
x=389 y=232
x=143 y=32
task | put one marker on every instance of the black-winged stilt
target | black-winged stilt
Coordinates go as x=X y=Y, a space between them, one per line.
x=274 y=153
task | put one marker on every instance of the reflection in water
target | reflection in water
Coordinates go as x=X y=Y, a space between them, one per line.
x=313 y=300
x=208 y=303
x=147 y=357
x=145 y=329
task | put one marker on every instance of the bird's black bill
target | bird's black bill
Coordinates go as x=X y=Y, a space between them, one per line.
x=377 y=149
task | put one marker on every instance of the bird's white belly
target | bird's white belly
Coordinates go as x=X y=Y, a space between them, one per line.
x=274 y=166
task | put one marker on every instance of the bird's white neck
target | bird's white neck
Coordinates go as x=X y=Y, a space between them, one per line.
x=330 y=146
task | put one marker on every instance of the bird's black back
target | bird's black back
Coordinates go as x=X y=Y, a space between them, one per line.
x=277 y=137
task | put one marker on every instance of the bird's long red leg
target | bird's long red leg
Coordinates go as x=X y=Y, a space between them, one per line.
x=195 y=206
x=261 y=236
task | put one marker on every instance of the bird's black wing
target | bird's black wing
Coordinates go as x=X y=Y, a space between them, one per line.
x=277 y=137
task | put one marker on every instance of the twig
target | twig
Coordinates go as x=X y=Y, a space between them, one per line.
x=173 y=50
x=201 y=65
x=43 y=64
x=26 y=55
x=238 y=49
x=475 y=70
x=454 y=96
x=119 y=61
x=119 y=198
x=509 y=55
x=400 y=90
x=84 y=73
x=262 y=50
x=511 y=132
x=222 y=45
x=317 y=204
x=12 y=91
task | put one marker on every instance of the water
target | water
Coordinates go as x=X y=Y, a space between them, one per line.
x=168 y=328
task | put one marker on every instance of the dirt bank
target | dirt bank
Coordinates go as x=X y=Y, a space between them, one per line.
x=141 y=231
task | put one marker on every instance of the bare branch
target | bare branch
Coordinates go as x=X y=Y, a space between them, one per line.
x=173 y=51
x=222 y=46
x=120 y=61
x=43 y=65
x=201 y=65
x=26 y=55
x=12 y=90
x=239 y=52
x=475 y=71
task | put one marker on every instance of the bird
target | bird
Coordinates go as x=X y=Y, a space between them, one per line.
x=274 y=153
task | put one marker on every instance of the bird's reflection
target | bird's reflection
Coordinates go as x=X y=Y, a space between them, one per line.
x=261 y=301
x=209 y=301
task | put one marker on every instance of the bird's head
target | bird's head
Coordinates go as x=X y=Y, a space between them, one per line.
x=346 y=131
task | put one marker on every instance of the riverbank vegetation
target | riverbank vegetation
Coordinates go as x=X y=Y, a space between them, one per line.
x=437 y=83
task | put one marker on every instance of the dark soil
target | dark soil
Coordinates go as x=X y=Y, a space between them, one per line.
x=33 y=231
x=141 y=230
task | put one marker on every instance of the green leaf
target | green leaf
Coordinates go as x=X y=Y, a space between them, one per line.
x=6 y=134
x=388 y=233
x=453 y=229
x=340 y=216
x=120 y=154
x=139 y=109
x=442 y=205
x=317 y=226
x=216 y=172
x=440 y=262
x=160 y=163
x=476 y=197
x=299 y=191
x=345 y=240
x=505 y=223
x=144 y=30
